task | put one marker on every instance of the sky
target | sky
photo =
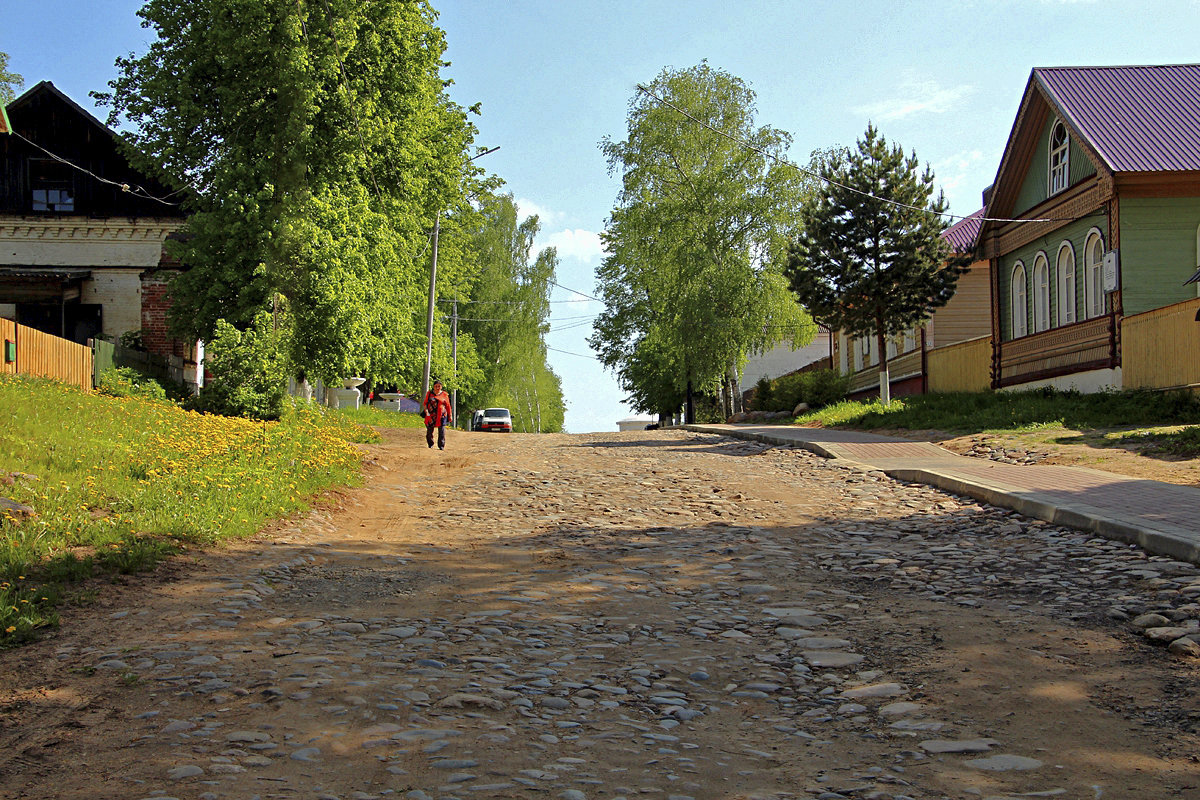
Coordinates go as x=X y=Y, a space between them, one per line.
x=554 y=77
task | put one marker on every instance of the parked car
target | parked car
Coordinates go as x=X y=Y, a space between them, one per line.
x=494 y=419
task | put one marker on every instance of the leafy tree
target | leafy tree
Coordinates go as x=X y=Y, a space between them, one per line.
x=869 y=258
x=247 y=369
x=505 y=311
x=691 y=282
x=317 y=143
x=9 y=82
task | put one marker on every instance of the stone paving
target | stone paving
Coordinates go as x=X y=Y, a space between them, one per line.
x=610 y=616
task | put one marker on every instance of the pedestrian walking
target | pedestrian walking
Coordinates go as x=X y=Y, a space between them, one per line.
x=437 y=414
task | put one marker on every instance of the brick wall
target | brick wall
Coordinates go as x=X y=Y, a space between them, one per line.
x=155 y=303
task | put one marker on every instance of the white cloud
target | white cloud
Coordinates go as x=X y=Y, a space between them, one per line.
x=963 y=177
x=915 y=96
x=577 y=243
x=528 y=208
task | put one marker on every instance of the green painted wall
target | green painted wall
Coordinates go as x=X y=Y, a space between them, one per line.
x=1075 y=233
x=1033 y=189
x=1158 y=251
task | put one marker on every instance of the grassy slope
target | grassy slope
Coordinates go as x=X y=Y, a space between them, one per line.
x=1016 y=412
x=117 y=483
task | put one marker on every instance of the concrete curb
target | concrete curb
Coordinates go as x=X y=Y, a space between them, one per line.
x=1042 y=506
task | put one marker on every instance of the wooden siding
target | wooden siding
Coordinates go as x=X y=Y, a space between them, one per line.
x=1058 y=351
x=968 y=314
x=961 y=367
x=1071 y=205
x=1076 y=233
x=1035 y=186
x=1158 y=251
x=42 y=355
x=899 y=368
x=1161 y=348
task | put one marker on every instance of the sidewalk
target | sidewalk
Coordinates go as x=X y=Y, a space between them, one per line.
x=1163 y=518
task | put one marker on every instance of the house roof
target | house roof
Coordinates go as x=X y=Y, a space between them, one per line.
x=961 y=235
x=1136 y=118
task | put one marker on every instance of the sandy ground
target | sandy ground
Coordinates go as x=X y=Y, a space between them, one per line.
x=524 y=616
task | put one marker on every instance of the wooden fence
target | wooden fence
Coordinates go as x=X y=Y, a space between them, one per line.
x=1160 y=349
x=42 y=355
x=960 y=367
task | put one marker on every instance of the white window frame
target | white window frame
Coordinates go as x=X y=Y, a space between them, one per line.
x=1019 y=301
x=1058 y=160
x=1041 y=292
x=1066 y=284
x=1095 y=303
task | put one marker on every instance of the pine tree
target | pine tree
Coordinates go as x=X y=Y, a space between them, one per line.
x=870 y=259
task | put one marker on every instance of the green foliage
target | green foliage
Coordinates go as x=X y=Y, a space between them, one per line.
x=506 y=317
x=9 y=81
x=318 y=144
x=134 y=340
x=1016 y=411
x=1184 y=443
x=869 y=258
x=818 y=388
x=690 y=282
x=128 y=382
x=117 y=484
x=376 y=418
x=763 y=400
x=247 y=371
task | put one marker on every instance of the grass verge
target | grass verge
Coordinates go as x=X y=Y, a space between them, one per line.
x=115 y=484
x=1020 y=412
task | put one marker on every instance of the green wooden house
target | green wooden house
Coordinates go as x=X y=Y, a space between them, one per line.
x=1093 y=219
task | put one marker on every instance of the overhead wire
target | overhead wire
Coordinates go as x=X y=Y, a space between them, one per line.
x=750 y=146
x=133 y=189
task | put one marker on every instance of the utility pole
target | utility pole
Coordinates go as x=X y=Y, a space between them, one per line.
x=454 y=355
x=433 y=293
x=437 y=221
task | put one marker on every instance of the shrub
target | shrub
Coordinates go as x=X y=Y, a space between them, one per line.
x=762 y=394
x=818 y=388
x=128 y=382
x=247 y=371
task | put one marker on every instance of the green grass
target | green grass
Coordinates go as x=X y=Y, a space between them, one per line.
x=118 y=483
x=1015 y=412
x=375 y=418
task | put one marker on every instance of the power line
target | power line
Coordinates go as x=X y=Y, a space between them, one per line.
x=135 y=190
x=568 y=352
x=818 y=176
x=576 y=291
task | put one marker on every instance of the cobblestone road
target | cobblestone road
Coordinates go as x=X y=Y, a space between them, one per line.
x=659 y=615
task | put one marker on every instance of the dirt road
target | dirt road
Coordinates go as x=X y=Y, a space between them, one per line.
x=658 y=615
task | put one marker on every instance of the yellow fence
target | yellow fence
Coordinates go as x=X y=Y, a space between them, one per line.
x=1160 y=349
x=46 y=356
x=960 y=367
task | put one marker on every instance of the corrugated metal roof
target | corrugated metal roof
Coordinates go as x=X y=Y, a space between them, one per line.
x=1139 y=119
x=961 y=235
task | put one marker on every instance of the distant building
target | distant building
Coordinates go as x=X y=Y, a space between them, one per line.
x=635 y=423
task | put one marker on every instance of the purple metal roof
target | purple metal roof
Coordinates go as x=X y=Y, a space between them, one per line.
x=961 y=235
x=1139 y=119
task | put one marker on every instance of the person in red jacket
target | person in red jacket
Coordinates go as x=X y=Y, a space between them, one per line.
x=437 y=414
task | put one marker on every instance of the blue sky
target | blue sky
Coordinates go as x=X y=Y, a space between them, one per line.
x=555 y=77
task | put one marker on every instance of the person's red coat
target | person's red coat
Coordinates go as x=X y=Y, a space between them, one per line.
x=437 y=408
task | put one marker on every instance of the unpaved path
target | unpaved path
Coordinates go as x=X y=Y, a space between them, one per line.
x=660 y=615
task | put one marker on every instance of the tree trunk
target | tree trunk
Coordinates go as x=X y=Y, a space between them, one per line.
x=735 y=391
x=885 y=384
x=689 y=414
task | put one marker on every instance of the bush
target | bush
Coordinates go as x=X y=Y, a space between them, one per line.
x=128 y=382
x=762 y=394
x=247 y=371
x=818 y=388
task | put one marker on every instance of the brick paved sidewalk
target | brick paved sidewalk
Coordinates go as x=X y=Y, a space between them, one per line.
x=1162 y=517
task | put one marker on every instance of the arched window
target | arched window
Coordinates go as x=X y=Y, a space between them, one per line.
x=1019 y=307
x=1066 y=283
x=1041 y=293
x=1060 y=171
x=1093 y=274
